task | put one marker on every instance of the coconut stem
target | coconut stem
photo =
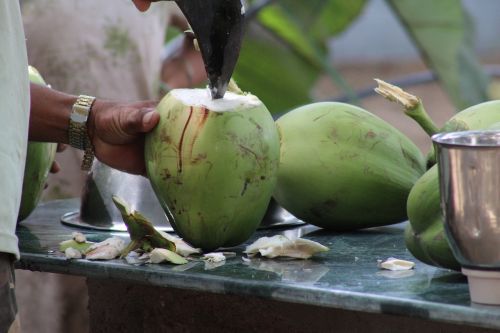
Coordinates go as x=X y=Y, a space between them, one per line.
x=142 y=232
x=412 y=105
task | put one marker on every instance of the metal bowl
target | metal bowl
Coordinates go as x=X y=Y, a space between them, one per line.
x=97 y=210
x=470 y=195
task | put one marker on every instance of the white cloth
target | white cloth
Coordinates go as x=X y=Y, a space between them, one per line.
x=14 y=117
x=103 y=48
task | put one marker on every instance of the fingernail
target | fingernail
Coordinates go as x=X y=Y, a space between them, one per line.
x=147 y=118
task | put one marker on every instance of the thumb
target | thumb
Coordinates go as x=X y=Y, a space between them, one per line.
x=142 y=5
x=150 y=120
x=139 y=121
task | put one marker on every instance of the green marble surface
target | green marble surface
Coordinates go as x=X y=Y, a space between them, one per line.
x=346 y=277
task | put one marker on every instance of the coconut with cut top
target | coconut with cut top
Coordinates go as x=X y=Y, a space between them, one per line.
x=213 y=165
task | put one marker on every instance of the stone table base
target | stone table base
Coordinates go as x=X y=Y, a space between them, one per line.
x=123 y=307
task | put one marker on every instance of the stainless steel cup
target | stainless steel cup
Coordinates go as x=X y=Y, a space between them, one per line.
x=469 y=177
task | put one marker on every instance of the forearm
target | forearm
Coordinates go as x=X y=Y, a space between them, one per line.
x=49 y=116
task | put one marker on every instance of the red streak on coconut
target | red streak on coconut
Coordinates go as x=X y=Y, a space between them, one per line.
x=201 y=123
x=179 y=161
x=204 y=117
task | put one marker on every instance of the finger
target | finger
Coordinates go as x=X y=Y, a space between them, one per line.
x=150 y=120
x=55 y=168
x=142 y=5
x=61 y=147
x=138 y=121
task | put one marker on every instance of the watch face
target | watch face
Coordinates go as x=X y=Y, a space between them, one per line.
x=80 y=113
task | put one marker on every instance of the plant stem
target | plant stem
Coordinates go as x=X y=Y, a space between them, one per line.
x=412 y=105
x=423 y=119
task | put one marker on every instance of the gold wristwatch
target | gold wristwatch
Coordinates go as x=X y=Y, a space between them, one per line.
x=78 y=133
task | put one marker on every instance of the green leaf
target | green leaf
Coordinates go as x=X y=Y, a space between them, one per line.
x=443 y=32
x=307 y=25
x=275 y=19
x=285 y=51
x=268 y=69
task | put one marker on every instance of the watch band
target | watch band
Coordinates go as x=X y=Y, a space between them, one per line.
x=77 y=131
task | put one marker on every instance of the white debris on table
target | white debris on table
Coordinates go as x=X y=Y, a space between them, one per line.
x=270 y=247
x=113 y=247
x=108 y=249
x=78 y=237
x=160 y=255
x=282 y=246
x=214 y=257
x=72 y=253
x=394 y=264
x=181 y=247
x=135 y=258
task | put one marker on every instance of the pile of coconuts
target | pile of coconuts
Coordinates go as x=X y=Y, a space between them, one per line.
x=425 y=236
x=215 y=165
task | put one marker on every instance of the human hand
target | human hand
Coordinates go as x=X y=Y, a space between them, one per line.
x=117 y=132
x=55 y=168
x=143 y=5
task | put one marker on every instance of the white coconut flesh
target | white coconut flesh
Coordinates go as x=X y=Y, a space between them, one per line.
x=201 y=98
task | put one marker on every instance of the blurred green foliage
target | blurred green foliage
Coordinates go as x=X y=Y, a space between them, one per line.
x=443 y=32
x=285 y=48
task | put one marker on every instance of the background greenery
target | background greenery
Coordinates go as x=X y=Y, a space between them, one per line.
x=285 y=49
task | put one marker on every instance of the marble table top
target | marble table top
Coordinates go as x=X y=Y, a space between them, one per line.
x=346 y=277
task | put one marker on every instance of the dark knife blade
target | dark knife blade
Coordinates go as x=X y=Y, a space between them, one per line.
x=218 y=28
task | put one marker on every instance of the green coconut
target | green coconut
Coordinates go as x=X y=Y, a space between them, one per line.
x=213 y=165
x=425 y=236
x=39 y=159
x=343 y=168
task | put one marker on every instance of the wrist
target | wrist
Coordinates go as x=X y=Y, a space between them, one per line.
x=94 y=119
x=78 y=129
